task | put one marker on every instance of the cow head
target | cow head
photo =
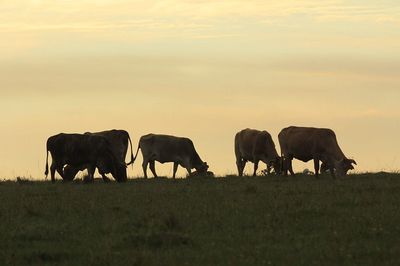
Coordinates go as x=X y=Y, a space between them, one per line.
x=202 y=168
x=108 y=163
x=120 y=172
x=117 y=169
x=324 y=167
x=70 y=172
x=344 y=165
x=277 y=164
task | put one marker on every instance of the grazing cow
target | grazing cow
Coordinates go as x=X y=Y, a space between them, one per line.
x=318 y=144
x=254 y=146
x=164 y=148
x=119 y=140
x=83 y=151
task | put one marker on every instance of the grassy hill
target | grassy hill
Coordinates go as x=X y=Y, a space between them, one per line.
x=203 y=221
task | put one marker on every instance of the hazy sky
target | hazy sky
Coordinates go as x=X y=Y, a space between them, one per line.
x=201 y=69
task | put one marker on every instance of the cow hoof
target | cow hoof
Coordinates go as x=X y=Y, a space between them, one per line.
x=87 y=180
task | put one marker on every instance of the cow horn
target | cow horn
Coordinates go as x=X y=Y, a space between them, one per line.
x=352 y=161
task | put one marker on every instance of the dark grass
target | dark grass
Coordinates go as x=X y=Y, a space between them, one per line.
x=203 y=221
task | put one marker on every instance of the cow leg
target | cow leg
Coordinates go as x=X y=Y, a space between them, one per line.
x=255 y=167
x=287 y=164
x=153 y=168
x=269 y=167
x=316 y=167
x=53 y=168
x=175 y=169
x=189 y=170
x=332 y=170
x=144 y=166
x=105 y=178
x=91 y=171
x=290 y=166
x=240 y=163
x=103 y=175
x=284 y=166
x=60 y=171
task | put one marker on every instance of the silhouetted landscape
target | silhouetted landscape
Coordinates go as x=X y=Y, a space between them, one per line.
x=171 y=132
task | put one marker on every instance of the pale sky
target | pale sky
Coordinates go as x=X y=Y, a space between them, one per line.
x=200 y=69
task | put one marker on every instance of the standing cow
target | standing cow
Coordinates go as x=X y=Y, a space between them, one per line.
x=164 y=148
x=318 y=144
x=254 y=146
x=119 y=140
x=83 y=151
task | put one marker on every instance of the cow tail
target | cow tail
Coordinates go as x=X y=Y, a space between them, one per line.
x=46 y=172
x=137 y=151
x=132 y=158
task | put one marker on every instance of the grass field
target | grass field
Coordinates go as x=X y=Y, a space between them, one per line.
x=203 y=221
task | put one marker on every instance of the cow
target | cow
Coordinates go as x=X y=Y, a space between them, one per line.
x=119 y=140
x=254 y=146
x=318 y=144
x=83 y=151
x=165 y=148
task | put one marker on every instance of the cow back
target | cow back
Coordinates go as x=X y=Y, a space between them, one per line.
x=306 y=142
x=118 y=140
x=250 y=143
x=166 y=148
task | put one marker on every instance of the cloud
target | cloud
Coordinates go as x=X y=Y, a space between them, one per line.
x=172 y=14
x=140 y=24
x=201 y=27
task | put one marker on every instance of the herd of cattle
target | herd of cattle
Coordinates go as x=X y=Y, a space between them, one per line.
x=107 y=151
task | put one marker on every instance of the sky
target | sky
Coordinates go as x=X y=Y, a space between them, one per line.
x=200 y=69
